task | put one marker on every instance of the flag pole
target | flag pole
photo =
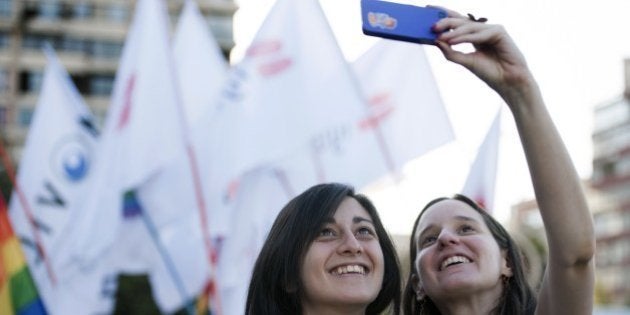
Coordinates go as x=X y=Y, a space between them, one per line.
x=8 y=166
x=168 y=261
x=201 y=204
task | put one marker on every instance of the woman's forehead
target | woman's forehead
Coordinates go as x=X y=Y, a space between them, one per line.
x=448 y=210
x=350 y=209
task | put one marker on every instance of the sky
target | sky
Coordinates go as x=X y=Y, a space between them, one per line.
x=575 y=51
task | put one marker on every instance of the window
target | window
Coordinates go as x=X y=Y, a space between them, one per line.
x=3 y=115
x=25 y=115
x=30 y=81
x=71 y=44
x=50 y=10
x=4 y=80
x=82 y=10
x=608 y=169
x=106 y=49
x=220 y=26
x=117 y=12
x=6 y=8
x=5 y=40
x=36 y=42
x=101 y=85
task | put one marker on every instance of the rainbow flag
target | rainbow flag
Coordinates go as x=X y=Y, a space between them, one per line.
x=18 y=294
x=202 y=302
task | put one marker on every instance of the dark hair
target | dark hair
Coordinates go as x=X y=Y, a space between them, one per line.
x=277 y=288
x=517 y=298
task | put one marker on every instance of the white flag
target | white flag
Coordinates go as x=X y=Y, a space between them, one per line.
x=404 y=100
x=55 y=169
x=172 y=199
x=200 y=66
x=481 y=179
x=292 y=85
x=261 y=194
x=143 y=131
x=406 y=119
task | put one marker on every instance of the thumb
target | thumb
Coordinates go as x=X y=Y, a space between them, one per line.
x=453 y=55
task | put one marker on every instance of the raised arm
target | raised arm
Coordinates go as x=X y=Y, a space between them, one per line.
x=567 y=287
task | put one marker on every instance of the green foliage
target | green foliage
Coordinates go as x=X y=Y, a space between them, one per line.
x=134 y=296
x=5 y=185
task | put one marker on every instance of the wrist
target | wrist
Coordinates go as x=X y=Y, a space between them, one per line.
x=522 y=94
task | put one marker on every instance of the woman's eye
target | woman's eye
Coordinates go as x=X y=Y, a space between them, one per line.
x=326 y=232
x=427 y=241
x=466 y=229
x=365 y=232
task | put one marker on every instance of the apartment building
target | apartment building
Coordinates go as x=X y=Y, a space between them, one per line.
x=611 y=176
x=88 y=36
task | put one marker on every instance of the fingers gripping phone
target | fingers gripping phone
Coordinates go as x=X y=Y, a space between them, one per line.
x=400 y=21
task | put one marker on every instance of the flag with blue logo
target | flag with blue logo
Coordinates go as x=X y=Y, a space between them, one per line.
x=54 y=171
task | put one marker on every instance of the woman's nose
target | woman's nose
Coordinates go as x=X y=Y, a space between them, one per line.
x=350 y=245
x=447 y=238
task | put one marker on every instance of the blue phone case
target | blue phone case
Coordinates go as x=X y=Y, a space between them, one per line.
x=400 y=21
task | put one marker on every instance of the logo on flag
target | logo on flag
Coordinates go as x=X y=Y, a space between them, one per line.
x=71 y=158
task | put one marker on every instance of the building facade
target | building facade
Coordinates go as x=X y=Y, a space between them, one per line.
x=88 y=36
x=528 y=230
x=611 y=177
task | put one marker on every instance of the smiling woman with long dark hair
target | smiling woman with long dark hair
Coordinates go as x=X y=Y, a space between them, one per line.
x=327 y=253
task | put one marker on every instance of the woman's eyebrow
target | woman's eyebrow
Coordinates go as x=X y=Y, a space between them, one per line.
x=358 y=219
x=465 y=218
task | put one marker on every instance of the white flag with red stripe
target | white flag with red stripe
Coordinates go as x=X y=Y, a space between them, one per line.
x=404 y=99
x=142 y=132
x=292 y=85
x=406 y=119
x=172 y=199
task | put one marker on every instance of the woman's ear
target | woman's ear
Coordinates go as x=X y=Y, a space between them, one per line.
x=417 y=287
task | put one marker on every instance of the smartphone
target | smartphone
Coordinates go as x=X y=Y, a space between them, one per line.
x=400 y=21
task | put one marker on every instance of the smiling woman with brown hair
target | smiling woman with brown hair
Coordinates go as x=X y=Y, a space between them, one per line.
x=327 y=253
x=462 y=260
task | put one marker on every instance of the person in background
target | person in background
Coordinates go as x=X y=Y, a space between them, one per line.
x=327 y=253
x=462 y=260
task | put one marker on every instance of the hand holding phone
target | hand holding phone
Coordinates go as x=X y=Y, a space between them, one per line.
x=400 y=21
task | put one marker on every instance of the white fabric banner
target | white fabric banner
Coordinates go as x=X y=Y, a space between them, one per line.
x=261 y=194
x=143 y=131
x=292 y=85
x=199 y=64
x=172 y=199
x=482 y=177
x=55 y=169
x=406 y=119
x=404 y=100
